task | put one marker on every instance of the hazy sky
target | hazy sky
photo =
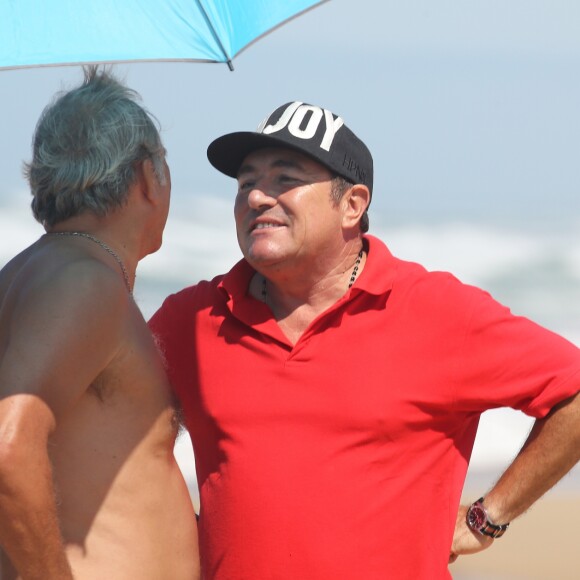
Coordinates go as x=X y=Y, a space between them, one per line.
x=469 y=107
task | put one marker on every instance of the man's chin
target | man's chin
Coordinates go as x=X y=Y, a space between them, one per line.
x=259 y=258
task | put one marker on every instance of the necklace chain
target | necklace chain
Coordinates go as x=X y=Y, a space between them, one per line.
x=355 y=269
x=104 y=246
x=353 y=276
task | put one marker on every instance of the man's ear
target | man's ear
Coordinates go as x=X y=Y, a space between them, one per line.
x=148 y=181
x=355 y=202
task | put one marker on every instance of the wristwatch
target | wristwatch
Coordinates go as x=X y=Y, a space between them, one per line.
x=478 y=521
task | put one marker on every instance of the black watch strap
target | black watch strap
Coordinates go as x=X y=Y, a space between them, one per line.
x=478 y=520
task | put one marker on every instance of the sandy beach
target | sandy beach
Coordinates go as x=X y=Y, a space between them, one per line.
x=543 y=544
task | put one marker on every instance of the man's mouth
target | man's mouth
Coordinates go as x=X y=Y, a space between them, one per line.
x=265 y=225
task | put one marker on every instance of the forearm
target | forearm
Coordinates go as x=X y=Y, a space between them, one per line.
x=551 y=450
x=29 y=533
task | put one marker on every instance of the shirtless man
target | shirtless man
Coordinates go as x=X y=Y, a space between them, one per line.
x=89 y=487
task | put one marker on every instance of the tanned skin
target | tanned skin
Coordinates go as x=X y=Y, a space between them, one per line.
x=89 y=486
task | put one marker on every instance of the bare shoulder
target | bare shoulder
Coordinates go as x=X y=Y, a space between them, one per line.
x=67 y=303
x=62 y=320
x=51 y=277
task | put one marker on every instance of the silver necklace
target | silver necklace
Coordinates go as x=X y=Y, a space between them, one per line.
x=104 y=246
x=351 y=282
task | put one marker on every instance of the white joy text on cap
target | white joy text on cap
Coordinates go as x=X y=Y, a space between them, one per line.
x=293 y=117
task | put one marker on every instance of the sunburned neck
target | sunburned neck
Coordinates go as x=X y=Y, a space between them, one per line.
x=107 y=237
x=295 y=303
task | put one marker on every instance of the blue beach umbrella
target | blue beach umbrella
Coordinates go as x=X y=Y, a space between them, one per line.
x=34 y=33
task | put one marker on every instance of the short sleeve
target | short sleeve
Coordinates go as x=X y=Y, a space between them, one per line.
x=510 y=361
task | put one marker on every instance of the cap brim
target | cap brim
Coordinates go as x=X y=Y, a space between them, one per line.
x=228 y=152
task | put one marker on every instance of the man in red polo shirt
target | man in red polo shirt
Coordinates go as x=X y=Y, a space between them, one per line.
x=333 y=391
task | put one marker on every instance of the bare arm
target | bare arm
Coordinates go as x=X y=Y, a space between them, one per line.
x=551 y=450
x=61 y=335
x=30 y=532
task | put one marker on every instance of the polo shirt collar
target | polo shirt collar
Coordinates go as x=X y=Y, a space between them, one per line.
x=380 y=269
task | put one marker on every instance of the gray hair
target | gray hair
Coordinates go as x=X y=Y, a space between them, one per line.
x=339 y=185
x=85 y=147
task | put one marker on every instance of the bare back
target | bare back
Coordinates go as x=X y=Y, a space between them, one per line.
x=74 y=348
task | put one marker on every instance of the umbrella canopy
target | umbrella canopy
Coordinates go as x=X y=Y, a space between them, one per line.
x=34 y=33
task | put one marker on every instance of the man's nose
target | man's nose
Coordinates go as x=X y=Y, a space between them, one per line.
x=260 y=197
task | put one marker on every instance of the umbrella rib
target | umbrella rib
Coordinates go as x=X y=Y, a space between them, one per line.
x=279 y=25
x=215 y=35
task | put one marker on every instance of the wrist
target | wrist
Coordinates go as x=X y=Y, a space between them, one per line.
x=479 y=521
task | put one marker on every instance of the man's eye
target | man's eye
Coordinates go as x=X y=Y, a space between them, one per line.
x=246 y=186
x=287 y=179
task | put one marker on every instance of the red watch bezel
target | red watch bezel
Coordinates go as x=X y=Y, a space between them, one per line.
x=476 y=517
x=478 y=521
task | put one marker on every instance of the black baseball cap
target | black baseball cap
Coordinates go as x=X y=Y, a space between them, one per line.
x=311 y=130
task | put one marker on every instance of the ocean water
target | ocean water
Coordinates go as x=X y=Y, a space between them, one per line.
x=532 y=269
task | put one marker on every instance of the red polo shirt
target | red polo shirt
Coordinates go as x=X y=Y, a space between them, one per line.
x=344 y=456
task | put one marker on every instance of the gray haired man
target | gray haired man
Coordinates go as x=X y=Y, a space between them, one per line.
x=89 y=486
